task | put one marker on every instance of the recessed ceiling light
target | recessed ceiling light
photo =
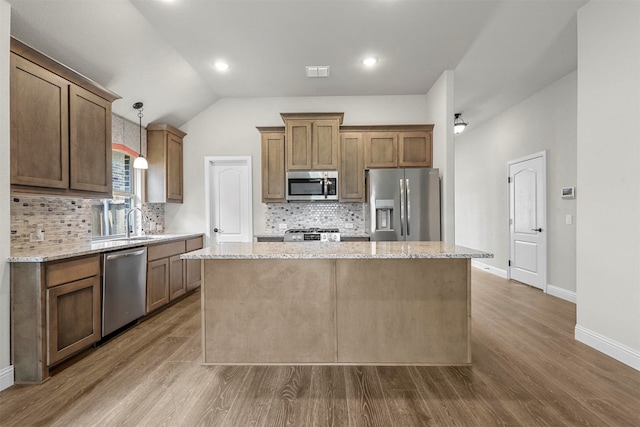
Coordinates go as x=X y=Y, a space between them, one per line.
x=370 y=61
x=221 y=66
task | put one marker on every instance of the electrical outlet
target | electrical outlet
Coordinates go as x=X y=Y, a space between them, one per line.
x=282 y=226
x=568 y=219
x=37 y=236
x=348 y=225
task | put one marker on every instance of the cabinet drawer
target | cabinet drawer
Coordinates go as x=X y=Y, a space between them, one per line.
x=194 y=244
x=70 y=271
x=165 y=250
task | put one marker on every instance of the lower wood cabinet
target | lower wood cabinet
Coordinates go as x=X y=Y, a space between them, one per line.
x=193 y=267
x=177 y=286
x=157 y=284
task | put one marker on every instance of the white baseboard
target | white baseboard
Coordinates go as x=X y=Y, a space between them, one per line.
x=6 y=377
x=561 y=293
x=620 y=352
x=489 y=268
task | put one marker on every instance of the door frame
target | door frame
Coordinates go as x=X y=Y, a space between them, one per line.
x=210 y=161
x=545 y=237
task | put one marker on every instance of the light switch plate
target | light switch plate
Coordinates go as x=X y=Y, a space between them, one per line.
x=568 y=219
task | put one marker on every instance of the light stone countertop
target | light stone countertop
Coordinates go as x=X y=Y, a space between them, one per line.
x=70 y=251
x=335 y=250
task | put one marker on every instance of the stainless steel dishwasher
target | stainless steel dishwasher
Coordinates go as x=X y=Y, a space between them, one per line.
x=123 y=288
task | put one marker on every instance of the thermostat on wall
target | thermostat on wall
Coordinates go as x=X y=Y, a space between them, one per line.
x=568 y=192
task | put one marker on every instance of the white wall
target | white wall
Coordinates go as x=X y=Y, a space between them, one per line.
x=6 y=370
x=228 y=127
x=544 y=121
x=440 y=112
x=608 y=235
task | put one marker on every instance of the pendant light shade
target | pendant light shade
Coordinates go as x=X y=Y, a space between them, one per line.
x=459 y=124
x=140 y=162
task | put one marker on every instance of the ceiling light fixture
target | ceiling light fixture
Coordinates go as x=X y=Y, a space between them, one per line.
x=140 y=162
x=371 y=61
x=221 y=66
x=459 y=124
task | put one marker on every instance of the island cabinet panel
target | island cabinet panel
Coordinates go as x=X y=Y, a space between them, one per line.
x=273 y=166
x=352 y=167
x=268 y=311
x=381 y=149
x=403 y=311
x=415 y=149
x=39 y=128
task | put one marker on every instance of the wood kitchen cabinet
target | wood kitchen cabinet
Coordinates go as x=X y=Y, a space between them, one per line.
x=273 y=164
x=165 y=274
x=398 y=146
x=352 y=167
x=165 y=157
x=312 y=140
x=193 y=272
x=60 y=128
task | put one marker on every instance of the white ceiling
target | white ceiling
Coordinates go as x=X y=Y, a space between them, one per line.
x=161 y=53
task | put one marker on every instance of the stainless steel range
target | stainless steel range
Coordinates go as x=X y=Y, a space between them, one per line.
x=312 y=235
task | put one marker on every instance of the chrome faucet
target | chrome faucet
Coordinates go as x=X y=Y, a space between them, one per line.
x=127 y=220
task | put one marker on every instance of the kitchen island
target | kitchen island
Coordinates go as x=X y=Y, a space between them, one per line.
x=382 y=303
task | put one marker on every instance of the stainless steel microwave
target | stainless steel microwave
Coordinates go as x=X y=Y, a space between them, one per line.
x=312 y=185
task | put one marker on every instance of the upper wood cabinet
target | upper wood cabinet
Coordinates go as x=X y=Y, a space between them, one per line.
x=351 y=167
x=60 y=128
x=398 y=146
x=164 y=154
x=273 y=164
x=312 y=140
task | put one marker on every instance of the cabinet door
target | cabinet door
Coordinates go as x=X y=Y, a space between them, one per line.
x=73 y=317
x=381 y=150
x=193 y=274
x=298 y=140
x=89 y=142
x=176 y=277
x=273 y=173
x=157 y=284
x=325 y=143
x=174 y=168
x=415 y=149
x=39 y=126
x=351 y=167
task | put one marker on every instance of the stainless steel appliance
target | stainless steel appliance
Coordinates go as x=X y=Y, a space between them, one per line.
x=312 y=235
x=403 y=204
x=312 y=185
x=123 y=288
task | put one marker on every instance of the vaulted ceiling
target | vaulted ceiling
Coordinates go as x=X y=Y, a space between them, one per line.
x=161 y=52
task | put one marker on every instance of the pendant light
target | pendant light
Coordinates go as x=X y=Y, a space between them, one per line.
x=459 y=124
x=140 y=162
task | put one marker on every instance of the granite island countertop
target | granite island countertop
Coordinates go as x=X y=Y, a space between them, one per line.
x=335 y=250
x=74 y=250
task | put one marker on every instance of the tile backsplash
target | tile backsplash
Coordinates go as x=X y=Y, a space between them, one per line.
x=63 y=220
x=305 y=215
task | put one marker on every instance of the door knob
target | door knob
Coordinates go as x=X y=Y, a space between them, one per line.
x=537 y=229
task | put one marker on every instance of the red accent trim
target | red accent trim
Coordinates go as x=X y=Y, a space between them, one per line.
x=123 y=148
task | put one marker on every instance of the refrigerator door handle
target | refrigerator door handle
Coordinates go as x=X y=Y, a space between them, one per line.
x=402 y=207
x=408 y=199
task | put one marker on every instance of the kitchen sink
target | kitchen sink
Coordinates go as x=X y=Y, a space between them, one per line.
x=134 y=238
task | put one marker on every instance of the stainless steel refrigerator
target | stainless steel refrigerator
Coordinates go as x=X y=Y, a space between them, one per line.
x=403 y=204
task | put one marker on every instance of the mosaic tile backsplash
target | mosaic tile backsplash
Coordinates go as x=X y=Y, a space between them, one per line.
x=306 y=215
x=63 y=220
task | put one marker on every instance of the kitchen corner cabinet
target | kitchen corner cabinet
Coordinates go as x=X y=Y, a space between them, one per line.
x=312 y=140
x=55 y=313
x=351 y=167
x=165 y=173
x=273 y=164
x=60 y=128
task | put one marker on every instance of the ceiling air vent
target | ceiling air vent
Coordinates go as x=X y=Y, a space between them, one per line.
x=318 y=70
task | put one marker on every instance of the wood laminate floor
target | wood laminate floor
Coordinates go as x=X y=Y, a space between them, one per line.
x=527 y=370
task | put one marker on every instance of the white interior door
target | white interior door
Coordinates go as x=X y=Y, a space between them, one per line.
x=527 y=220
x=229 y=216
